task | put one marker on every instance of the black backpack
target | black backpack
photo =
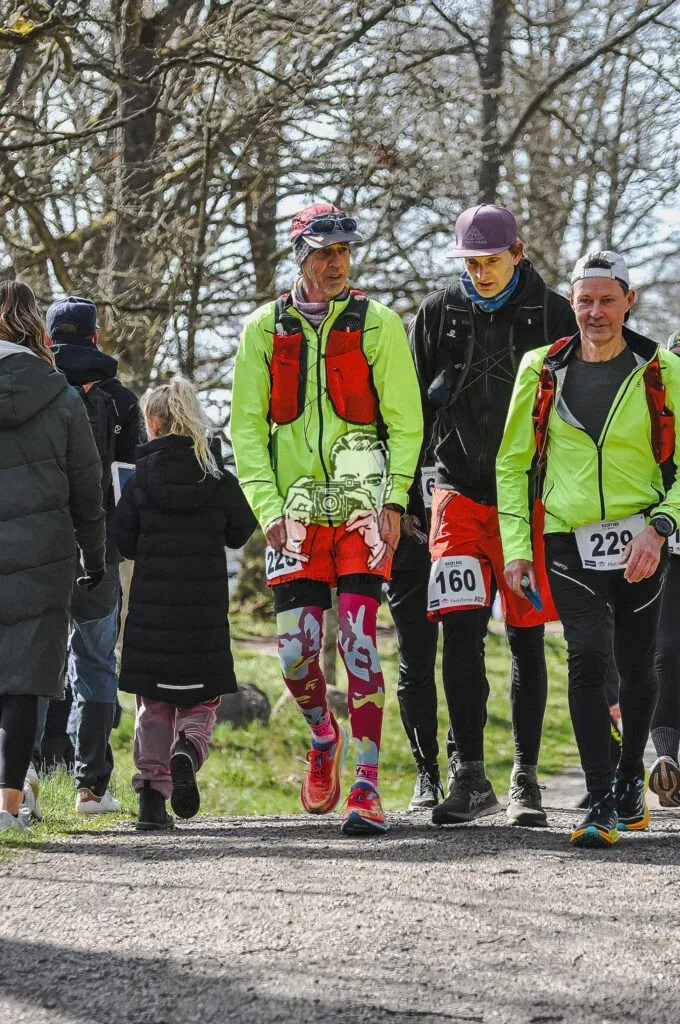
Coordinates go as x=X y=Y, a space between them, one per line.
x=101 y=412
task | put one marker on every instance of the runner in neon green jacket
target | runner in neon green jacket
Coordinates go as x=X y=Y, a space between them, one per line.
x=271 y=458
x=327 y=430
x=604 y=413
x=585 y=482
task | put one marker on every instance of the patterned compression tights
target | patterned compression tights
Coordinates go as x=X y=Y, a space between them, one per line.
x=300 y=634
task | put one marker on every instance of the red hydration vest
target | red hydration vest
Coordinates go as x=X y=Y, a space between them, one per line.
x=349 y=379
x=661 y=418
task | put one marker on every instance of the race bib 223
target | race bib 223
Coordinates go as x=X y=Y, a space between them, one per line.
x=277 y=564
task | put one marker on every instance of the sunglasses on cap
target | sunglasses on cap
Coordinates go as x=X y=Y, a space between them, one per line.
x=327 y=225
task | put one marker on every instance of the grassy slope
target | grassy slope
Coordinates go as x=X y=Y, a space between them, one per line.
x=258 y=769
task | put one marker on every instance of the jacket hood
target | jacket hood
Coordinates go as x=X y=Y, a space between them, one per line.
x=167 y=469
x=27 y=384
x=83 y=364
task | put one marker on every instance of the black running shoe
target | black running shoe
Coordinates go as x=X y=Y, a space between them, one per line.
x=152 y=816
x=631 y=806
x=664 y=780
x=525 y=806
x=471 y=797
x=185 y=799
x=427 y=790
x=599 y=827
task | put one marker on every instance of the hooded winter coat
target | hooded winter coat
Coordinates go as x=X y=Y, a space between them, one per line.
x=50 y=499
x=175 y=521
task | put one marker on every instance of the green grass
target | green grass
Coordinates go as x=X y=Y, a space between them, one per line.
x=57 y=804
x=258 y=769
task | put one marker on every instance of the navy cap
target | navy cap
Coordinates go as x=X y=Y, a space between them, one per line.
x=71 y=319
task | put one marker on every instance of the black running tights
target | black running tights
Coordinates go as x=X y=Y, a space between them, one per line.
x=18 y=720
x=467 y=689
x=583 y=598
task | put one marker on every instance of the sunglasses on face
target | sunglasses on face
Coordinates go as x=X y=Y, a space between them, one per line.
x=327 y=225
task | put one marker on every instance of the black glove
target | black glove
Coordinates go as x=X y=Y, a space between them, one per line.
x=92 y=580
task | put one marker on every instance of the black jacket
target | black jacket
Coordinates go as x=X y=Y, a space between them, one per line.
x=175 y=522
x=467 y=361
x=83 y=364
x=50 y=497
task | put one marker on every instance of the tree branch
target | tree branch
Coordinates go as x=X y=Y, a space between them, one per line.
x=573 y=69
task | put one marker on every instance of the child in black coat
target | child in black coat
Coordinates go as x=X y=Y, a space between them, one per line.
x=175 y=516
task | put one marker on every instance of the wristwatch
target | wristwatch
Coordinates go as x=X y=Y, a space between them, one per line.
x=663 y=524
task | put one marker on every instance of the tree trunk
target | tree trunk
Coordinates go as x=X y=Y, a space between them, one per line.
x=127 y=269
x=492 y=83
x=261 y=201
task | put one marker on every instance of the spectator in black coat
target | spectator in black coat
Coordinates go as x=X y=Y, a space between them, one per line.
x=175 y=516
x=50 y=500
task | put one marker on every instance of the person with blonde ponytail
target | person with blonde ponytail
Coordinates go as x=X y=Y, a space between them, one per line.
x=175 y=516
x=50 y=505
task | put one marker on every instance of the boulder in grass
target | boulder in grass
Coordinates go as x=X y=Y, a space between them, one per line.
x=250 y=704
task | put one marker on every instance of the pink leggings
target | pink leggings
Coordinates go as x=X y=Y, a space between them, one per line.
x=157 y=727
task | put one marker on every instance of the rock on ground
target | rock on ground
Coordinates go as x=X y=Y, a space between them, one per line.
x=264 y=920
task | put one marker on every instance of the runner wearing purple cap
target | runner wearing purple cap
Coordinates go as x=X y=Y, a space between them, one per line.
x=467 y=341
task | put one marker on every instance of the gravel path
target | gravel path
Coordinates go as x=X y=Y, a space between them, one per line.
x=260 y=920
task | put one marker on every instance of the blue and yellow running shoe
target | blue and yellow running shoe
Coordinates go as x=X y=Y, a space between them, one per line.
x=599 y=827
x=631 y=806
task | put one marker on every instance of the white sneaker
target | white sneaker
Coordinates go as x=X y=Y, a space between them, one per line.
x=88 y=803
x=8 y=822
x=30 y=805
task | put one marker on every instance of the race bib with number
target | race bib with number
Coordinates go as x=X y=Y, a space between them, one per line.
x=277 y=564
x=674 y=543
x=601 y=545
x=455 y=581
x=427 y=484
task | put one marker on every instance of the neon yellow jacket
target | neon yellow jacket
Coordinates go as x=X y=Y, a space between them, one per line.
x=270 y=458
x=585 y=482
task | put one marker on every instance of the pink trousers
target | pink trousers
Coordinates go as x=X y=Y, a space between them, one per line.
x=157 y=728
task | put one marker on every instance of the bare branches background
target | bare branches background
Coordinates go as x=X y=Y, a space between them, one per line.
x=152 y=150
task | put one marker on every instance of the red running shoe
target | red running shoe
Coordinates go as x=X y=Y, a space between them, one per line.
x=364 y=815
x=320 y=789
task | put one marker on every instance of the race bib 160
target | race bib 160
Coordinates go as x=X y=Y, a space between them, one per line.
x=454 y=582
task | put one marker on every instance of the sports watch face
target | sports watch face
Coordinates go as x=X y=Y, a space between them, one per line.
x=663 y=525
